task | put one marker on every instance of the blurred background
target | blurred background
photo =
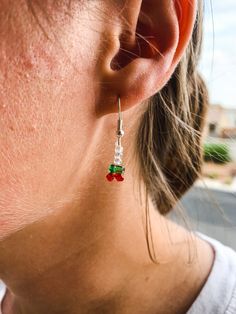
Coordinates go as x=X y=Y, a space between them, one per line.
x=211 y=204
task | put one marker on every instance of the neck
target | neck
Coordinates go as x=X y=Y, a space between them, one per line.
x=95 y=260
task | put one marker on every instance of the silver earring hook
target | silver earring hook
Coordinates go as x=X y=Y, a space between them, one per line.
x=120 y=132
x=119 y=107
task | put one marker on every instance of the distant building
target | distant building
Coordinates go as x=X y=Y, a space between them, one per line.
x=221 y=122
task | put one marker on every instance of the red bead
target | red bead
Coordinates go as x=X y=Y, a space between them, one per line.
x=110 y=177
x=118 y=177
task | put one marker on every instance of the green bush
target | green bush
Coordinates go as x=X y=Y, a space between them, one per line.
x=218 y=153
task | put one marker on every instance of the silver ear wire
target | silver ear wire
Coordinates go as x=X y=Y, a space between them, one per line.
x=120 y=132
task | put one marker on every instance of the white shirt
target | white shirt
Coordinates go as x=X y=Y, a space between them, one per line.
x=218 y=295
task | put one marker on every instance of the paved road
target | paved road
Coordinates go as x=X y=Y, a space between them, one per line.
x=211 y=212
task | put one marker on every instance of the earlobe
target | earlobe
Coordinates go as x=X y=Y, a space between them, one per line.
x=162 y=30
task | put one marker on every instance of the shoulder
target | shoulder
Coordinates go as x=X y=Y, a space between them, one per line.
x=2 y=293
x=218 y=295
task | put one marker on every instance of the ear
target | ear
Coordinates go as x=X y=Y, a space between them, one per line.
x=145 y=46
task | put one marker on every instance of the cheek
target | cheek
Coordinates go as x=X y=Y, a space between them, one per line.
x=41 y=138
x=47 y=99
x=29 y=133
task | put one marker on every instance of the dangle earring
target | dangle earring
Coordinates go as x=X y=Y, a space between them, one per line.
x=116 y=169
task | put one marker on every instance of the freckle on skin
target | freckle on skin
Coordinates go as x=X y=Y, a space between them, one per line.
x=28 y=64
x=32 y=128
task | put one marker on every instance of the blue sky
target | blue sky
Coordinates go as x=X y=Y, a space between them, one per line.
x=218 y=63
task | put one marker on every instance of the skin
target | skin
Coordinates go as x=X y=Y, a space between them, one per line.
x=70 y=241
